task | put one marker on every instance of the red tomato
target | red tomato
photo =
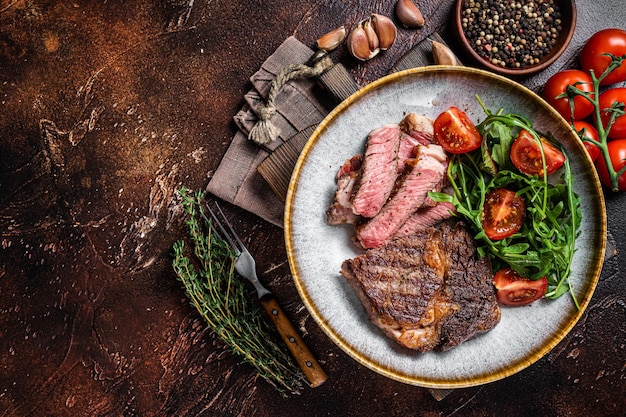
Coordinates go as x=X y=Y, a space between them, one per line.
x=617 y=153
x=514 y=290
x=606 y=99
x=587 y=130
x=526 y=155
x=605 y=41
x=503 y=213
x=455 y=132
x=557 y=84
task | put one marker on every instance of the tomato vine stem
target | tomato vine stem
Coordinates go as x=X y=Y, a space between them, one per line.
x=603 y=131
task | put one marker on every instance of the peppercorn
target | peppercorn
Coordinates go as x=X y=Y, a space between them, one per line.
x=511 y=33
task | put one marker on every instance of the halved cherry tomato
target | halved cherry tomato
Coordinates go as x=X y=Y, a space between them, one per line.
x=455 y=132
x=557 y=84
x=526 y=155
x=606 y=99
x=587 y=130
x=514 y=290
x=503 y=213
x=605 y=41
x=617 y=153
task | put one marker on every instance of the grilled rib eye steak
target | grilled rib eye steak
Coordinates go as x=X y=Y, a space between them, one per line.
x=428 y=290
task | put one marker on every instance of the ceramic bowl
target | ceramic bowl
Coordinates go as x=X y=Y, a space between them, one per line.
x=568 y=23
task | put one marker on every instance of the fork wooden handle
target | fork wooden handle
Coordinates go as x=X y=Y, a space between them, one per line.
x=301 y=353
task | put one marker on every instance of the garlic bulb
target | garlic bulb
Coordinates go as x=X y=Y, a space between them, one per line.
x=372 y=35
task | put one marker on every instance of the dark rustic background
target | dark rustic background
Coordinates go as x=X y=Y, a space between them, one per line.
x=106 y=108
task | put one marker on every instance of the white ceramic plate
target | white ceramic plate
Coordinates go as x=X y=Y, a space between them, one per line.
x=316 y=250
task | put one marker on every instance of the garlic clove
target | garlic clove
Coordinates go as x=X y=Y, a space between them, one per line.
x=372 y=37
x=331 y=40
x=359 y=44
x=385 y=30
x=408 y=14
x=443 y=55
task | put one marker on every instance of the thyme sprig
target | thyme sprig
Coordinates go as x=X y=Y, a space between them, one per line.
x=219 y=294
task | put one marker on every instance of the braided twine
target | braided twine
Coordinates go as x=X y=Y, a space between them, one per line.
x=264 y=131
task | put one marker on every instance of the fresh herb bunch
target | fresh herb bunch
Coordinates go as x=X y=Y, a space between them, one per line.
x=219 y=294
x=544 y=246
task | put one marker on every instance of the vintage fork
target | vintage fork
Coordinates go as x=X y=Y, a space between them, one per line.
x=246 y=266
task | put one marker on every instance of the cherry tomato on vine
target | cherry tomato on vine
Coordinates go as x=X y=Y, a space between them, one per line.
x=605 y=41
x=588 y=130
x=455 y=132
x=514 y=290
x=606 y=99
x=526 y=155
x=617 y=153
x=557 y=84
x=503 y=213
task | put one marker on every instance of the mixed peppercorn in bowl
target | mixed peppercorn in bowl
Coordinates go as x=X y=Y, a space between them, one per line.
x=515 y=37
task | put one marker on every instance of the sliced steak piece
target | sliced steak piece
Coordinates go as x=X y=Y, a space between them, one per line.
x=351 y=166
x=443 y=186
x=427 y=291
x=416 y=130
x=424 y=218
x=406 y=151
x=423 y=174
x=378 y=171
x=420 y=127
x=340 y=211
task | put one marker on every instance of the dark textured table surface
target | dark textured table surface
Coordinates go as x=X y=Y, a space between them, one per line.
x=106 y=108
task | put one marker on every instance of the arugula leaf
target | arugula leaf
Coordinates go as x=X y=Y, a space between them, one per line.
x=545 y=244
x=501 y=136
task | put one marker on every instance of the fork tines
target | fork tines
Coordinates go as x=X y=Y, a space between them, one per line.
x=225 y=235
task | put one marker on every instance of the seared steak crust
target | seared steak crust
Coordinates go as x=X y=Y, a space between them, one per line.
x=427 y=290
x=469 y=284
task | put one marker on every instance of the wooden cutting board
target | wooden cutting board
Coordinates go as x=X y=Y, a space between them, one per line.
x=277 y=168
